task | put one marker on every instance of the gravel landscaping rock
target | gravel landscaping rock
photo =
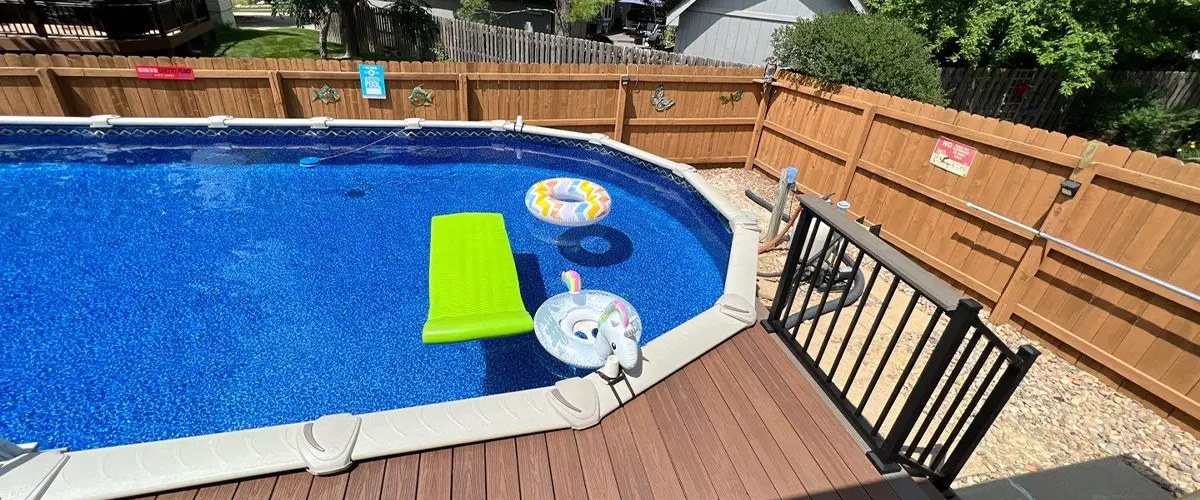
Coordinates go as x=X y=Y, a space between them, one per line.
x=1061 y=414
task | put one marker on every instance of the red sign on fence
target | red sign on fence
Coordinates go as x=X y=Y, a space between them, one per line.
x=951 y=156
x=165 y=72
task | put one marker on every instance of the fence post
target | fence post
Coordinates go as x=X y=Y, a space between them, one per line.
x=53 y=93
x=1005 y=387
x=1031 y=261
x=961 y=319
x=764 y=105
x=277 y=93
x=622 y=98
x=464 y=108
x=860 y=142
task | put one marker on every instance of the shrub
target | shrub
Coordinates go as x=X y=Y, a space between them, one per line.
x=872 y=52
x=1132 y=117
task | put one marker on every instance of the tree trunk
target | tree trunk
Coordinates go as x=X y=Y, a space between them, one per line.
x=349 y=27
x=323 y=41
x=561 y=9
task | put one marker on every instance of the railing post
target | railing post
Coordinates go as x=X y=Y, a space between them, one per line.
x=964 y=315
x=1005 y=387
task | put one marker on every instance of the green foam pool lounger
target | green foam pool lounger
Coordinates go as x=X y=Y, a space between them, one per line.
x=473 y=288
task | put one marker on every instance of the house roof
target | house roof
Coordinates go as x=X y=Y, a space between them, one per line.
x=673 y=16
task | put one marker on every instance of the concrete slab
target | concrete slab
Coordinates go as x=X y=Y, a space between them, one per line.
x=1105 y=479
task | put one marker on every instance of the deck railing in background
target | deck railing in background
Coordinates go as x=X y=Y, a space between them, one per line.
x=914 y=386
x=117 y=20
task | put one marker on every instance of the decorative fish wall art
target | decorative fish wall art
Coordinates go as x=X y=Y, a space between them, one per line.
x=659 y=99
x=734 y=97
x=326 y=94
x=420 y=97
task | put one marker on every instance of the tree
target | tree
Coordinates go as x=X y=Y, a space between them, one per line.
x=318 y=12
x=412 y=22
x=565 y=12
x=872 y=52
x=1077 y=39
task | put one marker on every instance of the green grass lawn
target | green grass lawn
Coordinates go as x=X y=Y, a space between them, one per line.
x=282 y=42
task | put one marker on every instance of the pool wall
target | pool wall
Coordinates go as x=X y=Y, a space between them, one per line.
x=331 y=443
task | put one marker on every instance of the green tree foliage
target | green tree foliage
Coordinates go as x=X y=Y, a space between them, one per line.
x=411 y=22
x=1078 y=38
x=873 y=52
x=1133 y=117
x=565 y=12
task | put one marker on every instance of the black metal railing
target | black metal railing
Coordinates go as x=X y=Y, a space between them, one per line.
x=116 y=19
x=914 y=369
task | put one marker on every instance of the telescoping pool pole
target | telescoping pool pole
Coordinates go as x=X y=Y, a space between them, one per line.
x=1089 y=253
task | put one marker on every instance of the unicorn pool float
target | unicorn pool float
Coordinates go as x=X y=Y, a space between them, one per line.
x=584 y=327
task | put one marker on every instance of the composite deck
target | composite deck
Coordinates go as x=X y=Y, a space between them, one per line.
x=741 y=422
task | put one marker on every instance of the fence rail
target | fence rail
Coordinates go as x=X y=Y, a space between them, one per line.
x=903 y=414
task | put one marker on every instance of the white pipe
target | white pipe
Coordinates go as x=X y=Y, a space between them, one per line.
x=1186 y=293
x=158 y=122
x=268 y=122
x=45 y=120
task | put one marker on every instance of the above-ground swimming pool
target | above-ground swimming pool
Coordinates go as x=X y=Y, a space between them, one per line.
x=168 y=282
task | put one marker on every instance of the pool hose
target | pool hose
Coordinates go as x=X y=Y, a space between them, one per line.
x=828 y=278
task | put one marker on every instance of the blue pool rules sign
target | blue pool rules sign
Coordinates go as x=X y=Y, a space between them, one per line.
x=370 y=76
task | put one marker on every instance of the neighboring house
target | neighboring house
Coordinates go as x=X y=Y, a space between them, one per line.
x=539 y=21
x=109 y=26
x=740 y=30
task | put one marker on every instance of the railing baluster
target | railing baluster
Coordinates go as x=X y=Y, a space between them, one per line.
x=912 y=361
x=780 y=306
x=945 y=390
x=966 y=312
x=837 y=313
x=835 y=269
x=1000 y=395
x=962 y=393
x=987 y=382
x=815 y=278
x=887 y=354
x=862 y=304
x=887 y=299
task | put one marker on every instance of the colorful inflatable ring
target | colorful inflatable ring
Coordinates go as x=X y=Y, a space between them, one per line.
x=568 y=202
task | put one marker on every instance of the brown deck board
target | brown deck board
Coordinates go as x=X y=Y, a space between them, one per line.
x=824 y=417
x=468 y=480
x=256 y=489
x=600 y=479
x=746 y=463
x=776 y=401
x=714 y=388
x=741 y=422
x=433 y=478
x=717 y=464
x=329 y=487
x=502 y=479
x=366 y=480
x=622 y=452
x=400 y=477
x=533 y=467
x=664 y=483
x=566 y=471
x=292 y=486
x=684 y=456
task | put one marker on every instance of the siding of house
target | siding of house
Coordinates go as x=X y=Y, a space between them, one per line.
x=740 y=30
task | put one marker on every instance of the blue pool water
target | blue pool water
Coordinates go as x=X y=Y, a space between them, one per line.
x=158 y=284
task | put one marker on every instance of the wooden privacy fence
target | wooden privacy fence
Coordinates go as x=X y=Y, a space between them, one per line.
x=870 y=148
x=1031 y=96
x=698 y=129
x=1132 y=207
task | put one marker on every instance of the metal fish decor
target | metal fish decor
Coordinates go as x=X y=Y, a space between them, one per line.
x=734 y=97
x=420 y=97
x=659 y=100
x=326 y=95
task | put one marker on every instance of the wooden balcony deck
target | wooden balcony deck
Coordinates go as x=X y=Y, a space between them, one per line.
x=743 y=421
